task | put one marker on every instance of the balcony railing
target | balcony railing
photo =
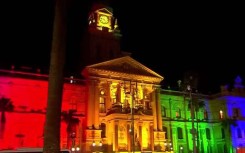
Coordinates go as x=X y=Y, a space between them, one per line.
x=139 y=110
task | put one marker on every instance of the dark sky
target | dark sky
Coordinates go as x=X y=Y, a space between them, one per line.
x=170 y=38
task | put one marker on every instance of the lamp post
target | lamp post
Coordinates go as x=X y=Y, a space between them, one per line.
x=193 y=131
x=134 y=97
x=93 y=146
x=73 y=136
x=170 y=125
x=133 y=93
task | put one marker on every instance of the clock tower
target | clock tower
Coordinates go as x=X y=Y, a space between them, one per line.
x=102 y=37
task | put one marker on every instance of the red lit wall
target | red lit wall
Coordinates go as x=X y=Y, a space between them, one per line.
x=24 y=126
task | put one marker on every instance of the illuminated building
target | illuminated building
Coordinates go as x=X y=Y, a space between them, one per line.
x=115 y=108
x=218 y=121
x=119 y=106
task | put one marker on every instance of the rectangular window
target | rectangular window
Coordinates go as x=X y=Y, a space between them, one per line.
x=73 y=104
x=239 y=133
x=163 y=111
x=236 y=112
x=165 y=129
x=178 y=113
x=103 y=130
x=148 y=105
x=114 y=100
x=192 y=114
x=205 y=114
x=102 y=105
x=208 y=134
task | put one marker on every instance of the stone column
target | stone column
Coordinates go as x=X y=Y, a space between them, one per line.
x=116 y=135
x=108 y=96
x=118 y=93
x=159 y=113
x=96 y=105
x=151 y=136
x=90 y=104
x=129 y=136
x=154 y=109
x=110 y=135
x=140 y=135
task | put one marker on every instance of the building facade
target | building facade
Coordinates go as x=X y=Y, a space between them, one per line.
x=119 y=106
x=217 y=120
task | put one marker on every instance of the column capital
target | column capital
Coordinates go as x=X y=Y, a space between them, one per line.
x=140 y=123
x=116 y=122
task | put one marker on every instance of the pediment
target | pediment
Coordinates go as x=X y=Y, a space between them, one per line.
x=123 y=68
x=104 y=11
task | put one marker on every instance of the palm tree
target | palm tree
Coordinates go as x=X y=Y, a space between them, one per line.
x=191 y=83
x=226 y=124
x=6 y=105
x=197 y=106
x=72 y=122
x=55 y=88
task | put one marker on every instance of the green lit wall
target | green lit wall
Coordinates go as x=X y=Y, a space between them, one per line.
x=211 y=135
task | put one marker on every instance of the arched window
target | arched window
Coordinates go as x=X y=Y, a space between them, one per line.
x=178 y=113
x=102 y=99
x=208 y=134
x=222 y=133
x=180 y=133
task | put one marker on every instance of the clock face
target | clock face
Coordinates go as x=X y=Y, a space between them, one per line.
x=104 y=19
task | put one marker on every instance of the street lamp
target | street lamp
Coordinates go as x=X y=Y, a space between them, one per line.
x=75 y=149
x=97 y=147
x=132 y=125
x=168 y=146
x=73 y=137
x=181 y=149
x=100 y=144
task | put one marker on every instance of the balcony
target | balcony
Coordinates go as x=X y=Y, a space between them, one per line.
x=119 y=109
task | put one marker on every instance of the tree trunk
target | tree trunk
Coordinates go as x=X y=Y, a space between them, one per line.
x=55 y=86
x=2 y=124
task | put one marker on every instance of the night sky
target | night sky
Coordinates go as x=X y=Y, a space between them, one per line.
x=170 y=38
